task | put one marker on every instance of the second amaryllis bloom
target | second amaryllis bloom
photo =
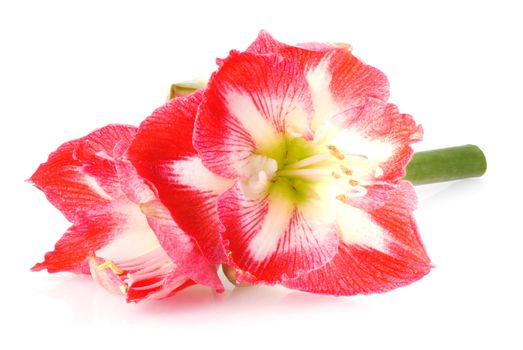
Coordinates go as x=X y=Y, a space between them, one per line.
x=121 y=234
x=288 y=168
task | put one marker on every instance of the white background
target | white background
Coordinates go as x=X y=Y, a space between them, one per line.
x=67 y=67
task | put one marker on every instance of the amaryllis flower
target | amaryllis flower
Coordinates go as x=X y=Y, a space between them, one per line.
x=291 y=171
x=121 y=233
x=317 y=155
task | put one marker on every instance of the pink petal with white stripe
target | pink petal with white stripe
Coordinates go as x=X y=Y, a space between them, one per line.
x=337 y=79
x=80 y=173
x=183 y=250
x=163 y=154
x=85 y=194
x=380 y=250
x=272 y=238
x=250 y=103
x=378 y=131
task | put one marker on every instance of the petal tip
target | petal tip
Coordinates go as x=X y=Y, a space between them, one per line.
x=38 y=267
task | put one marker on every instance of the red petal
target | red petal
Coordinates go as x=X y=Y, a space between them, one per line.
x=359 y=269
x=185 y=253
x=79 y=175
x=99 y=144
x=266 y=44
x=136 y=188
x=249 y=103
x=64 y=183
x=162 y=153
x=271 y=238
x=72 y=250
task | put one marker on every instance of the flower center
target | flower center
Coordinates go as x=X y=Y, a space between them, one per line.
x=311 y=171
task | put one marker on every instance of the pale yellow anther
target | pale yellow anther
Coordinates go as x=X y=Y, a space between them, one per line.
x=107 y=264
x=342 y=198
x=345 y=170
x=336 y=175
x=335 y=152
x=353 y=182
x=154 y=210
x=123 y=289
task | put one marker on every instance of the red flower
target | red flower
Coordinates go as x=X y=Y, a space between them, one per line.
x=121 y=233
x=291 y=172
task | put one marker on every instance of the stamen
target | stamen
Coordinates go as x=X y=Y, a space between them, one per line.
x=308 y=161
x=336 y=175
x=107 y=264
x=353 y=182
x=359 y=156
x=335 y=152
x=345 y=170
x=342 y=198
x=307 y=173
x=155 y=210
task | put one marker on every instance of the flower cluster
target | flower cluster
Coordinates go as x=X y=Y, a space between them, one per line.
x=286 y=168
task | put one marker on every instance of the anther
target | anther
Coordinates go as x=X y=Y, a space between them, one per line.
x=353 y=182
x=335 y=175
x=342 y=198
x=335 y=152
x=345 y=170
x=110 y=265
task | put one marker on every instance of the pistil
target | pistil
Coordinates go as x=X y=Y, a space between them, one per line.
x=345 y=172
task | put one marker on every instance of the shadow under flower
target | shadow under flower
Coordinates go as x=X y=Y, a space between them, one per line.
x=90 y=303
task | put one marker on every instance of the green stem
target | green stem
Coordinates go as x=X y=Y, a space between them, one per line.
x=446 y=164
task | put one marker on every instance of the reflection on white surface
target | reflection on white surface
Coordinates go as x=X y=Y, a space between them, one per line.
x=85 y=301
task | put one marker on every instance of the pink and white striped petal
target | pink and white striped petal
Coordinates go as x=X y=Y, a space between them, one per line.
x=271 y=238
x=337 y=79
x=380 y=250
x=80 y=180
x=95 y=152
x=163 y=154
x=250 y=103
x=73 y=179
x=377 y=131
x=113 y=230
